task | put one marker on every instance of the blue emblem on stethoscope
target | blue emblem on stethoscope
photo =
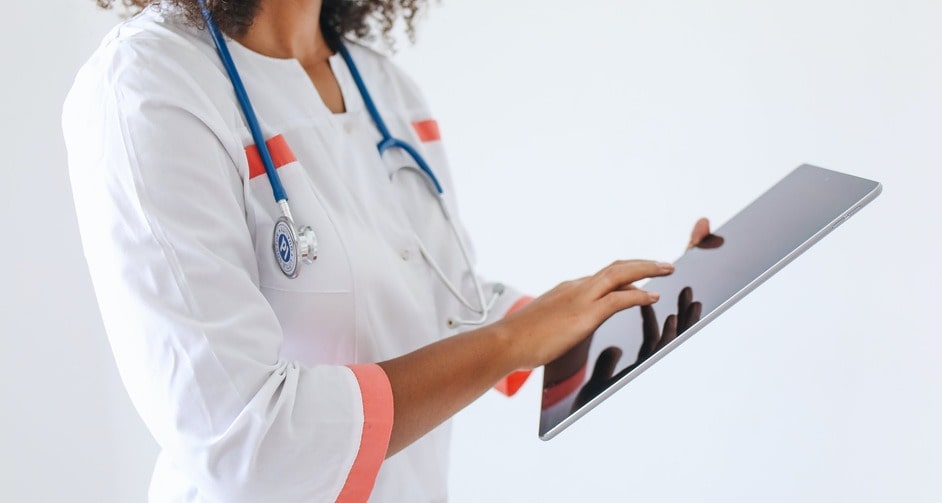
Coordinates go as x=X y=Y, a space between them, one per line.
x=289 y=245
x=284 y=248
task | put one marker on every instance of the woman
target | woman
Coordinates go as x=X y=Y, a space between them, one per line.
x=257 y=386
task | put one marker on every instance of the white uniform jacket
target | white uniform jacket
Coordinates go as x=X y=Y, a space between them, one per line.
x=258 y=387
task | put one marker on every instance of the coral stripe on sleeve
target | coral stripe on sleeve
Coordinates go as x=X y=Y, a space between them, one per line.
x=511 y=384
x=376 y=393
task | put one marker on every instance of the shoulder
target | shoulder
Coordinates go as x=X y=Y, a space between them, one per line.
x=151 y=70
x=155 y=58
x=149 y=44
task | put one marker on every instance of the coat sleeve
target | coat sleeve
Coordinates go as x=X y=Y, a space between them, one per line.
x=163 y=222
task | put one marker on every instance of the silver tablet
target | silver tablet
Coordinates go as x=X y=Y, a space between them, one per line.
x=755 y=244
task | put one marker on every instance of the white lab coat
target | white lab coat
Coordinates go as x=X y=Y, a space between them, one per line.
x=239 y=372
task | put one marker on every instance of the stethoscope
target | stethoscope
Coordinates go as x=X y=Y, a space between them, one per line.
x=292 y=245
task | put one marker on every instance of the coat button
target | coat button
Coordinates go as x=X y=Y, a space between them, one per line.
x=405 y=254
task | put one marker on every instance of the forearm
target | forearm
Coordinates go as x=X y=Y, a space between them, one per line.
x=433 y=383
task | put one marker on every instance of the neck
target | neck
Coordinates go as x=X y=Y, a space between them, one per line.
x=288 y=29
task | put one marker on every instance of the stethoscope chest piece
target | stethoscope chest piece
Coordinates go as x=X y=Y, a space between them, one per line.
x=292 y=247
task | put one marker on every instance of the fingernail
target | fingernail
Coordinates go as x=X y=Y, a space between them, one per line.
x=666 y=266
x=654 y=296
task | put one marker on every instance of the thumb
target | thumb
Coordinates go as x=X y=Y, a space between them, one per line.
x=701 y=229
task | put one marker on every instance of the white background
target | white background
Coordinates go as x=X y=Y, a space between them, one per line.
x=580 y=132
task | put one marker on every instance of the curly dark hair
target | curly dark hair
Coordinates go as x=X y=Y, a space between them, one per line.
x=339 y=18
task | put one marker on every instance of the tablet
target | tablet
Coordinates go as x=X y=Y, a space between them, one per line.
x=759 y=241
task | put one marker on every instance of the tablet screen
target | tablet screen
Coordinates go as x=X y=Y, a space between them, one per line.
x=753 y=245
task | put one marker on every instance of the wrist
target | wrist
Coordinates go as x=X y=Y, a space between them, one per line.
x=511 y=354
x=507 y=355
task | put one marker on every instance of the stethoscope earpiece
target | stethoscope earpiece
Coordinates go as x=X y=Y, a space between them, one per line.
x=496 y=291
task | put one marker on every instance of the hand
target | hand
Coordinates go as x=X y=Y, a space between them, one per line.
x=553 y=323
x=434 y=382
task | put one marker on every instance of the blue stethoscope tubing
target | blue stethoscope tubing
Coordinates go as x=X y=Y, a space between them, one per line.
x=388 y=141
x=276 y=187
x=289 y=242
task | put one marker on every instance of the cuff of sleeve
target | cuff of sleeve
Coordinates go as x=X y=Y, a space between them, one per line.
x=376 y=394
x=511 y=384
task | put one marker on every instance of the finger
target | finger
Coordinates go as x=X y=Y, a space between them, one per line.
x=623 y=273
x=701 y=229
x=670 y=331
x=683 y=302
x=606 y=364
x=650 y=330
x=628 y=287
x=620 y=300
x=692 y=316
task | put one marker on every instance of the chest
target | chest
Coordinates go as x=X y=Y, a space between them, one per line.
x=369 y=295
